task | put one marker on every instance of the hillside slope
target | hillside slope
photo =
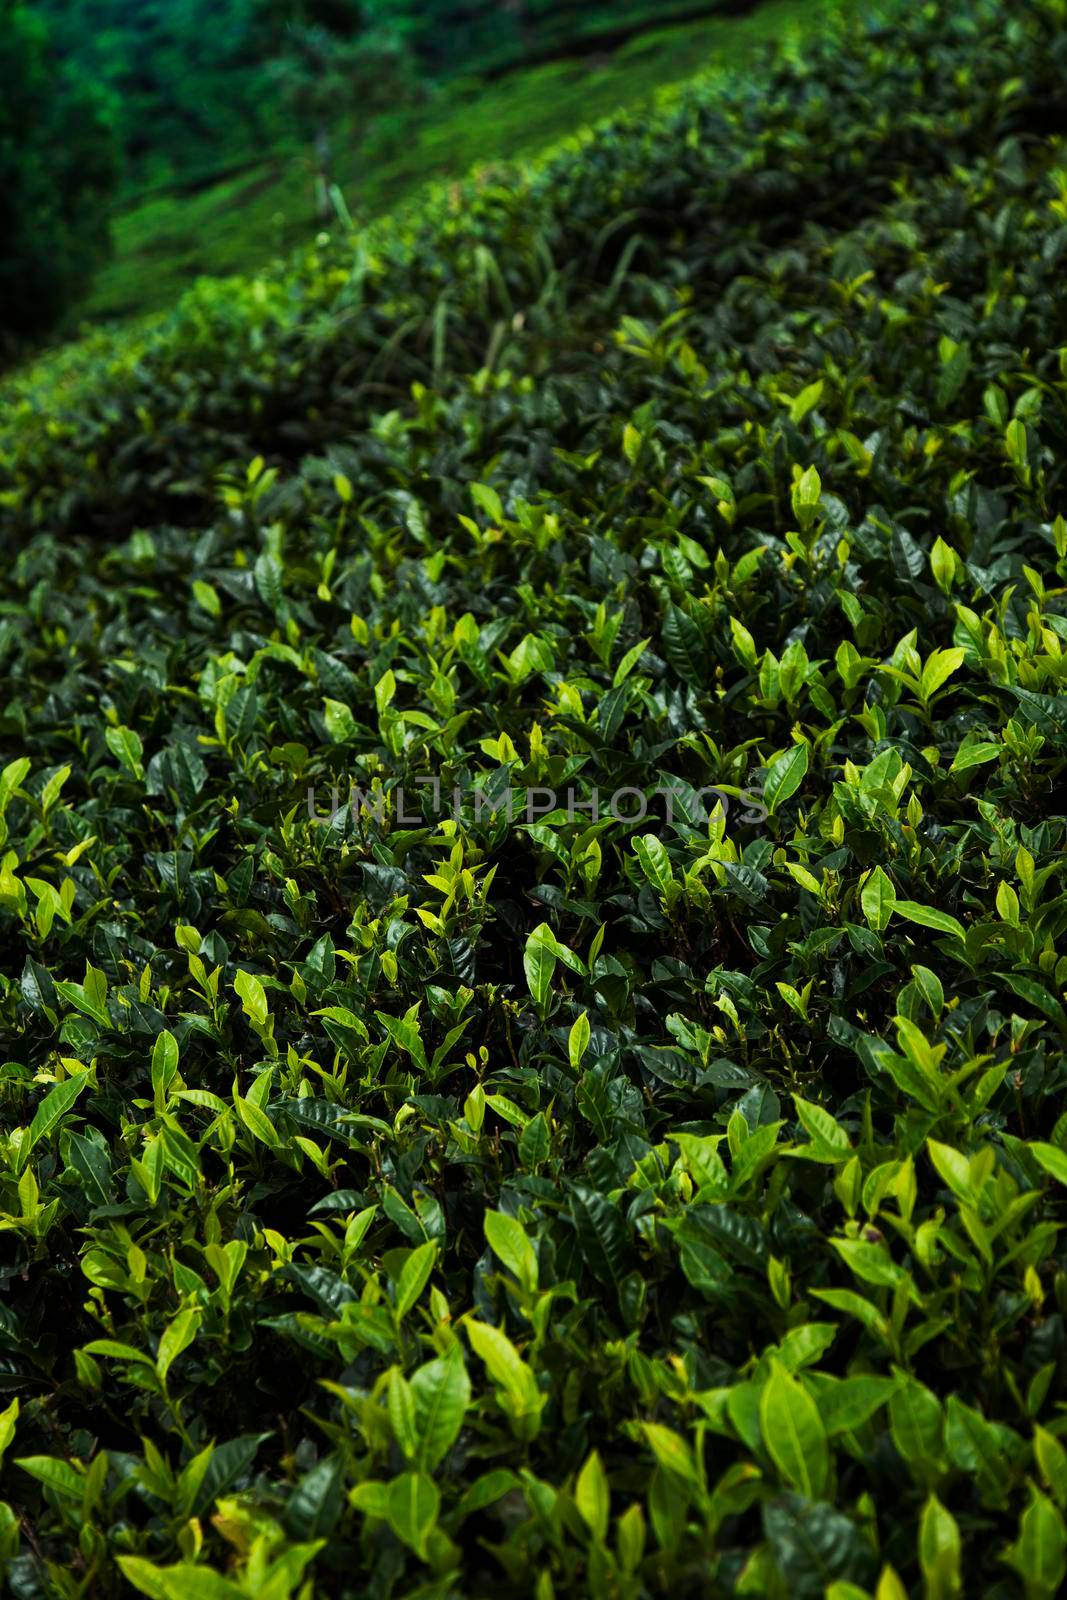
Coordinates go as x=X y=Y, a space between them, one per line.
x=267 y=202
x=613 y=1193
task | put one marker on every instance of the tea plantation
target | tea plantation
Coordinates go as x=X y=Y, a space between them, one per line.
x=464 y=1192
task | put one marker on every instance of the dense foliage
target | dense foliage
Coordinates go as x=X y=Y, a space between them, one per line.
x=446 y=1204
x=185 y=81
x=57 y=170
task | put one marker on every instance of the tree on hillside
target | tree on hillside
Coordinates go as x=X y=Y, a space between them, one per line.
x=328 y=64
x=185 y=77
x=463 y=36
x=58 y=166
x=342 y=18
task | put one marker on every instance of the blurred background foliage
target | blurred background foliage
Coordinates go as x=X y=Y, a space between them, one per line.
x=58 y=167
x=146 y=142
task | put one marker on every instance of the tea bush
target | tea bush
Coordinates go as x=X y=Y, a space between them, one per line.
x=406 y=1198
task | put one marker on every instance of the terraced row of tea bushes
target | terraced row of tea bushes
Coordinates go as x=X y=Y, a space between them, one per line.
x=409 y=1199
